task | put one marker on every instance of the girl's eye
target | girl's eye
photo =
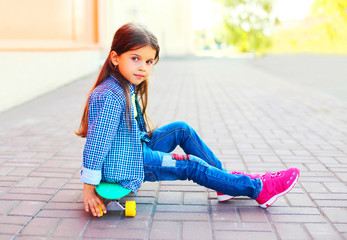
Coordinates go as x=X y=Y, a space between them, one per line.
x=149 y=62
x=135 y=59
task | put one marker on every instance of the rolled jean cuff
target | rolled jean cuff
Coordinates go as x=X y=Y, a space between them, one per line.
x=259 y=188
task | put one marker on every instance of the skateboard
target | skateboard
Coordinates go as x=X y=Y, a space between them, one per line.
x=114 y=192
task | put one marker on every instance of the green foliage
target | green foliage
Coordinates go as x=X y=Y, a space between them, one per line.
x=245 y=24
x=323 y=31
x=336 y=8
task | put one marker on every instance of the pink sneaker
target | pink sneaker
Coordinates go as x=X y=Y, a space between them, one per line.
x=223 y=197
x=276 y=185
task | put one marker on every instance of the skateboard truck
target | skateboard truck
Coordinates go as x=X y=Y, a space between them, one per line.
x=114 y=206
x=114 y=192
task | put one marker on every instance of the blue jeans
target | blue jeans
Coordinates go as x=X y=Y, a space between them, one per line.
x=199 y=165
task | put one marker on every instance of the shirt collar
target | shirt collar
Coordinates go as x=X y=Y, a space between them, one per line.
x=132 y=88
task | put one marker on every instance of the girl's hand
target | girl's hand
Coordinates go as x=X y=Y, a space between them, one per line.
x=92 y=201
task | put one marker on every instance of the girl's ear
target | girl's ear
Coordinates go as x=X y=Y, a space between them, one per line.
x=114 y=58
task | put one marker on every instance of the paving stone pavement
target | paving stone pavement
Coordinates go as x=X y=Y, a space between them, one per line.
x=253 y=120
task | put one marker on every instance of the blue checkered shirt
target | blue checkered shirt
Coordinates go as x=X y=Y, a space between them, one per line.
x=113 y=152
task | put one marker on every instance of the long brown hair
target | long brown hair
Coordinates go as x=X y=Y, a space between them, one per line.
x=129 y=37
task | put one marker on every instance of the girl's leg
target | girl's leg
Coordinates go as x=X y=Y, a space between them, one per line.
x=159 y=166
x=168 y=137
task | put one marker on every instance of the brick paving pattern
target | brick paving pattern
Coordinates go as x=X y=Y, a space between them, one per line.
x=253 y=121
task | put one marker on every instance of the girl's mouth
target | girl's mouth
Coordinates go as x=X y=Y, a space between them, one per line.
x=138 y=76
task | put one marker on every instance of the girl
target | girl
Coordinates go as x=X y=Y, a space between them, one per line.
x=120 y=149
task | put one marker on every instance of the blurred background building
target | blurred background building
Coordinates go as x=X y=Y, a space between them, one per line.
x=45 y=44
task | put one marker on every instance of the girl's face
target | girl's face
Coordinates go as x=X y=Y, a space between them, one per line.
x=135 y=65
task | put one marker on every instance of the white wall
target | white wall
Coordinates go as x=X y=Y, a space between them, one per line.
x=29 y=74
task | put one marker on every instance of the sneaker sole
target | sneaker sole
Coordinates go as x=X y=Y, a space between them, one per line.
x=224 y=198
x=274 y=198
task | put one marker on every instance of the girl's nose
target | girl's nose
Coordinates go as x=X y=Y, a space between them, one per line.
x=142 y=67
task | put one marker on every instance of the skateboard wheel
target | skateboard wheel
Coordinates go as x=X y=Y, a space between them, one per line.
x=101 y=212
x=130 y=208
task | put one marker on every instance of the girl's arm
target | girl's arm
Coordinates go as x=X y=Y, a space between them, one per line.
x=92 y=201
x=105 y=119
x=101 y=133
